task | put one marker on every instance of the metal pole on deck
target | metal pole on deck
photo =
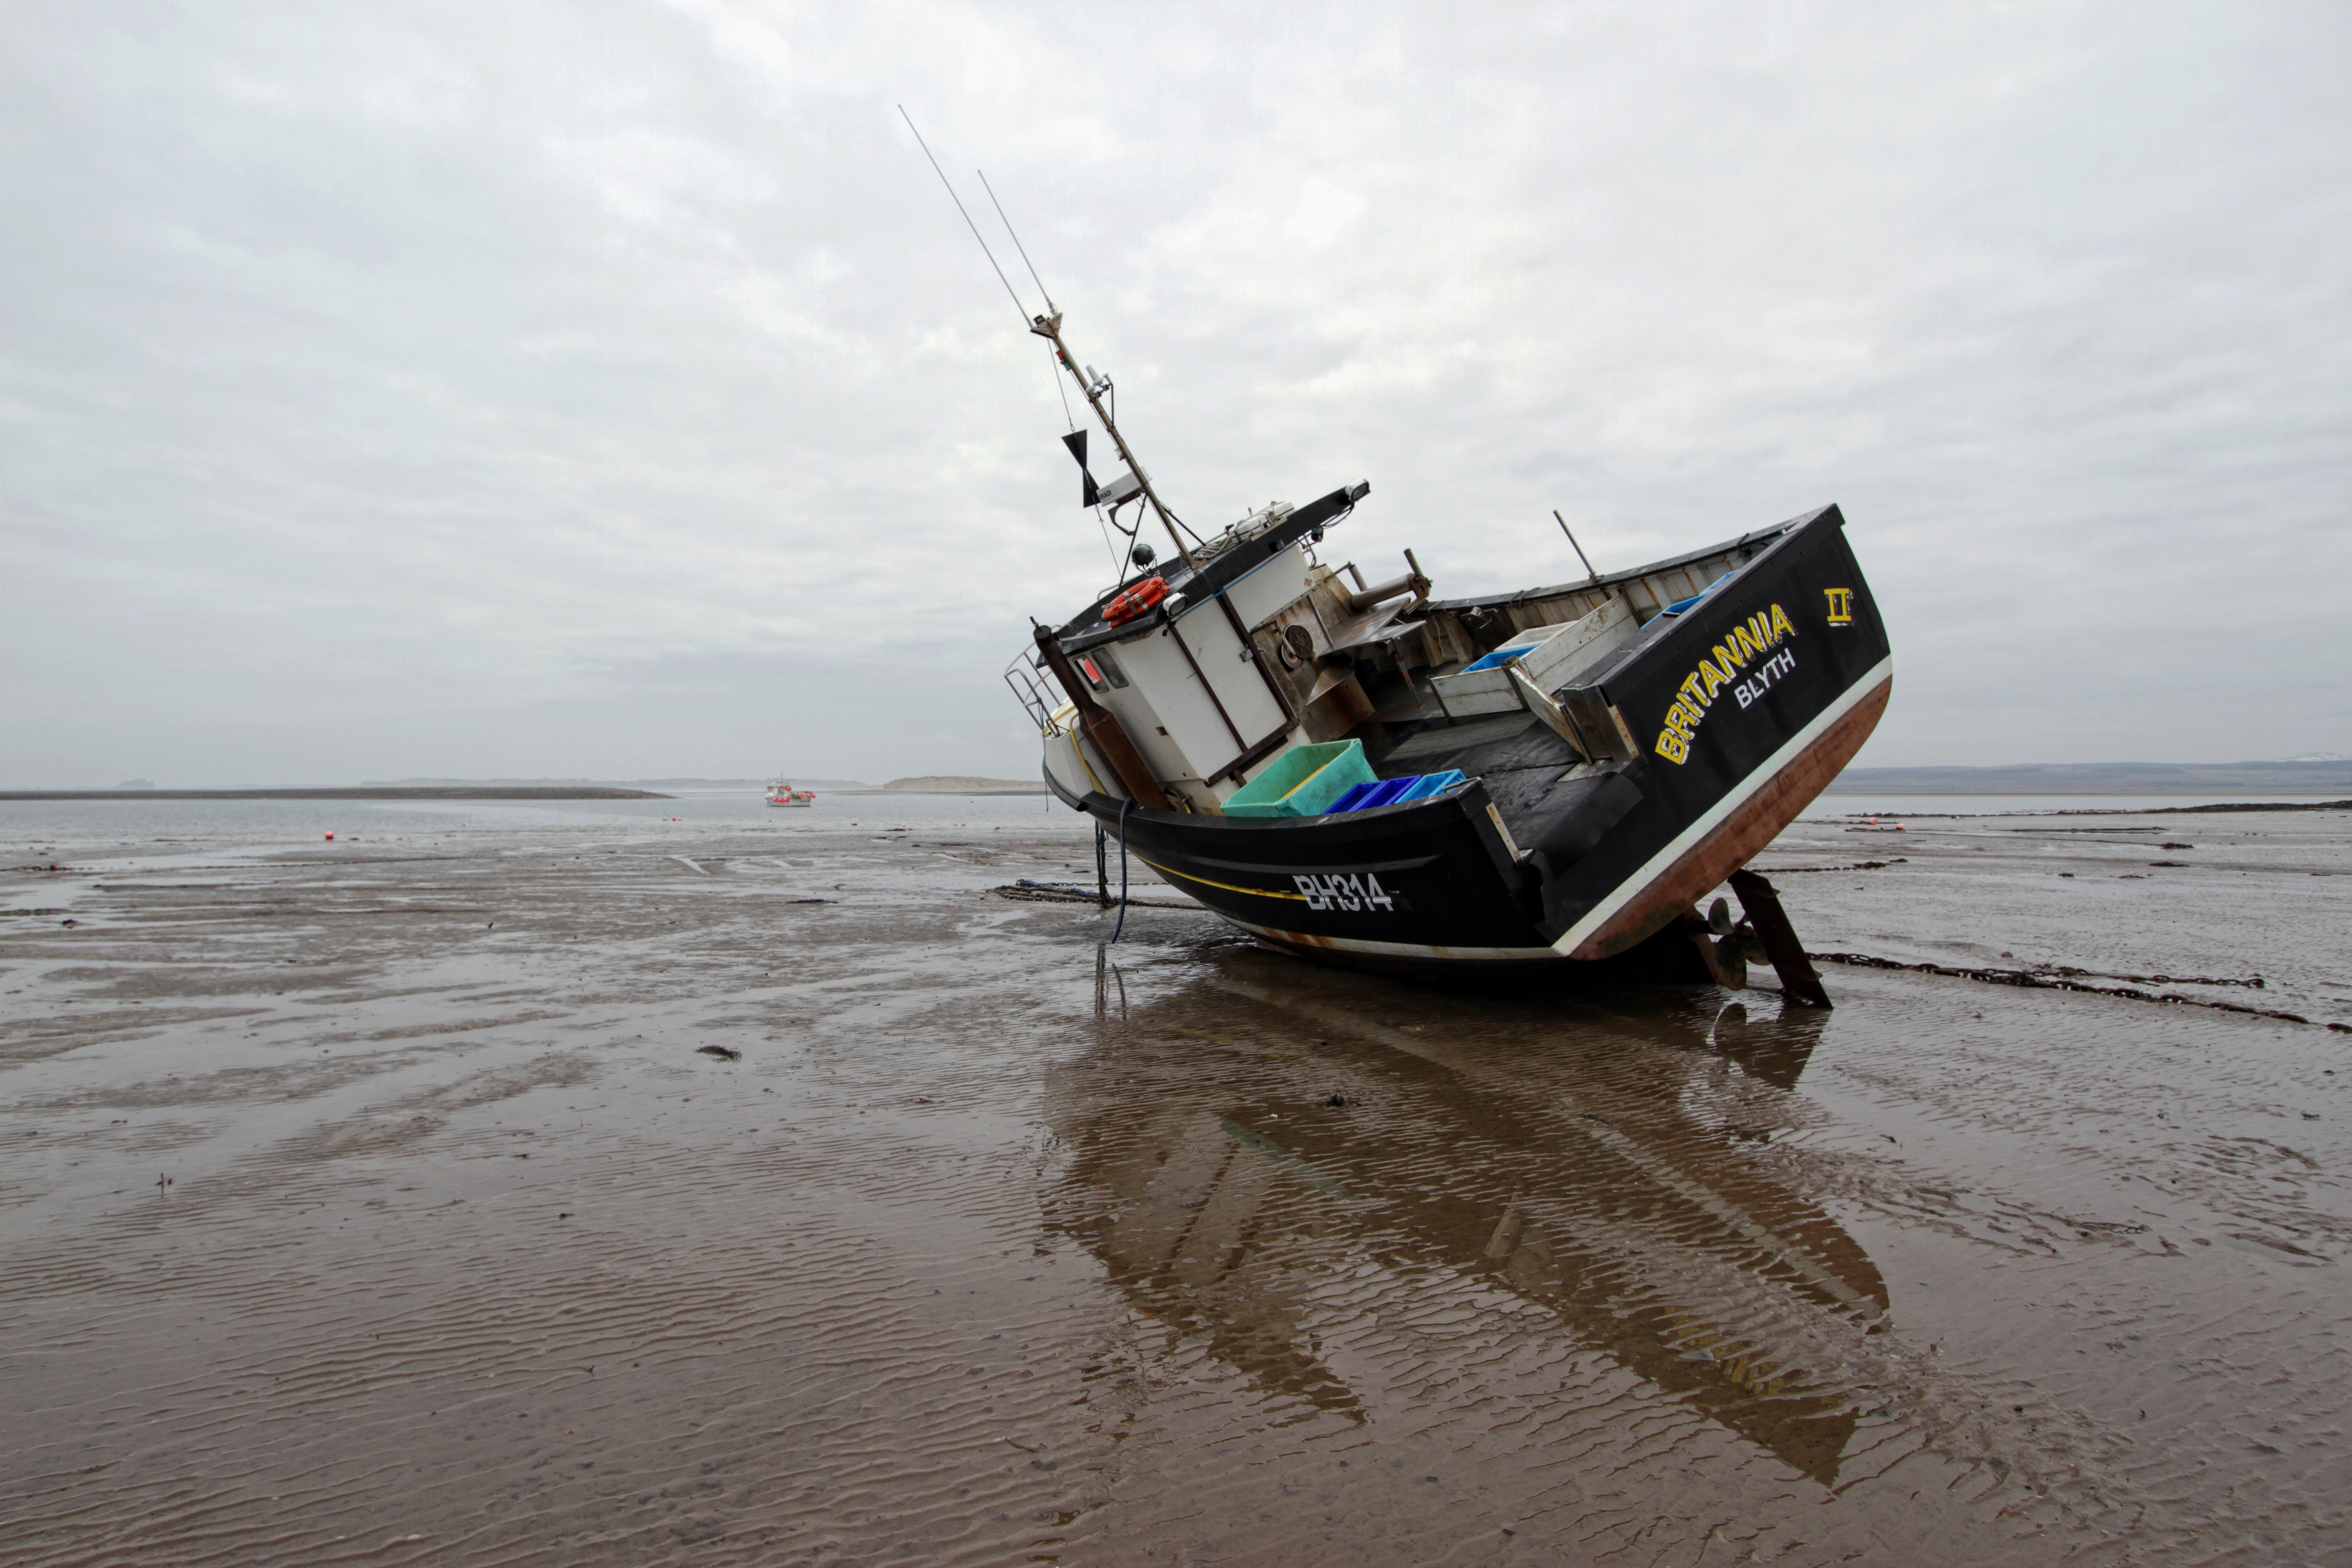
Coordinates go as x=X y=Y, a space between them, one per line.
x=1573 y=544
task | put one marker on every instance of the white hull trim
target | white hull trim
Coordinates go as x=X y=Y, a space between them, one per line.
x=1397 y=949
x=1634 y=886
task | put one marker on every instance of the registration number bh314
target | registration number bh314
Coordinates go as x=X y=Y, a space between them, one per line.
x=1349 y=891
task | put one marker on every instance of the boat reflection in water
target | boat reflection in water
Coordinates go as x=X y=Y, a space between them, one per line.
x=1274 y=1163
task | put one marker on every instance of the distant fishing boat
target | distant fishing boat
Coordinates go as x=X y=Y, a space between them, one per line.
x=782 y=794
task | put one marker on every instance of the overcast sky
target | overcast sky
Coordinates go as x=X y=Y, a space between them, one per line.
x=610 y=390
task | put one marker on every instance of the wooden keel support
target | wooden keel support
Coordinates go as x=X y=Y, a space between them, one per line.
x=1761 y=904
x=1105 y=731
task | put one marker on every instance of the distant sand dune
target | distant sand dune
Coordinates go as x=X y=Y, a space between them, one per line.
x=961 y=783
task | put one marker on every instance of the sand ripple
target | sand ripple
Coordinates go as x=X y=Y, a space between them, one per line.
x=383 y=1212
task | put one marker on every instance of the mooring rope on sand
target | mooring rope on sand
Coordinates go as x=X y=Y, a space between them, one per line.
x=1030 y=892
x=2061 y=977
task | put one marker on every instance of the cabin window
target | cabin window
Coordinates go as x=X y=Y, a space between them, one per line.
x=1103 y=670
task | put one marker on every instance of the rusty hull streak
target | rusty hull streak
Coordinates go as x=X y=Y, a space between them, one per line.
x=1744 y=834
x=1334 y=946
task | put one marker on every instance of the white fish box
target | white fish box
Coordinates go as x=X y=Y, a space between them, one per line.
x=1549 y=655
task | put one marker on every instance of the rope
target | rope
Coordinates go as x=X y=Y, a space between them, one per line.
x=942 y=174
x=1028 y=892
x=1122 y=870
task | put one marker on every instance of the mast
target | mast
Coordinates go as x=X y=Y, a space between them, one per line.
x=1050 y=329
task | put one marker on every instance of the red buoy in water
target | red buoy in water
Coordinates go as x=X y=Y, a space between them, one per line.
x=330 y=838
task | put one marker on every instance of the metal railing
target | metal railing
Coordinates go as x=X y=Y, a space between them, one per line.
x=1044 y=705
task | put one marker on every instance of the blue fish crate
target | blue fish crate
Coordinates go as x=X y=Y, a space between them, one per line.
x=1396 y=791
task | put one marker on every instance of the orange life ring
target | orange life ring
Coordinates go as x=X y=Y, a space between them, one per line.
x=1135 y=601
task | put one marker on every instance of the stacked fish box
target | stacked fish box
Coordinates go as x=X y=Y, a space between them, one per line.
x=1303 y=781
x=1395 y=792
x=1549 y=656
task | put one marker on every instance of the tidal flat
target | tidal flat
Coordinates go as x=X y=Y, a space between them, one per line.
x=598 y=1186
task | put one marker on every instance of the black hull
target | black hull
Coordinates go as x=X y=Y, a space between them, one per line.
x=1525 y=867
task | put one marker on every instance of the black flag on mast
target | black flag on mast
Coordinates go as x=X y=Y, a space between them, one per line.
x=1123 y=487
x=1089 y=492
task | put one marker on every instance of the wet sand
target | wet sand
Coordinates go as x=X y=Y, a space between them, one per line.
x=375 y=1203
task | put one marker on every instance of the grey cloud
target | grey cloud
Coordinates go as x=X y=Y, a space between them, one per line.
x=610 y=388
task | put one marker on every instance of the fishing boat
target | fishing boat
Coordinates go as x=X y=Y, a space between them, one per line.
x=782 y=794
x=1368 y=774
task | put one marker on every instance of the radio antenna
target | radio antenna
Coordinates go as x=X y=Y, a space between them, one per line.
x=1048 y=326
x=1050 y=307
x=942 y=174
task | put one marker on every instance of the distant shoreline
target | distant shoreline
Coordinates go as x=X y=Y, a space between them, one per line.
x=2329 y=779
x=952 y=784
x=453 y=791
x=2332 y=777
x=968 y=794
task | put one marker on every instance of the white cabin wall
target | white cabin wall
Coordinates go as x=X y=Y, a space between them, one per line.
x=1227 y=662
x=1163 y=707
x=1169 y=717
x=1263 y=590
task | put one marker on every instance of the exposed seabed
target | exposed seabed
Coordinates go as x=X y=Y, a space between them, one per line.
x=379 y=1202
